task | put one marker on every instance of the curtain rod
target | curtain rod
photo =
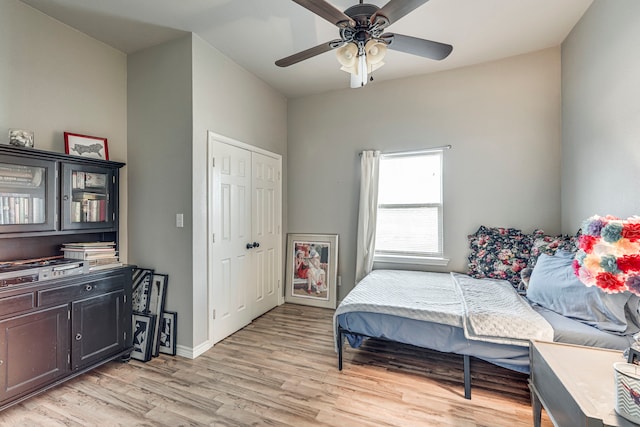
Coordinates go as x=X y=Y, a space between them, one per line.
x=414 y=152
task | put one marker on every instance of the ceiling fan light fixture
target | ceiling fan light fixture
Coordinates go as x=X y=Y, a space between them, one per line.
x=360 y=63
x=376 y=50
x=348 y=56
x=359 y=78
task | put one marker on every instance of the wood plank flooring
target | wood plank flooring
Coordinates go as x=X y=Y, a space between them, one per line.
x=282 y=371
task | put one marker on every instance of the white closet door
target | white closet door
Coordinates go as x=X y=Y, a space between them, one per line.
x=231 y=261
x=266 y=224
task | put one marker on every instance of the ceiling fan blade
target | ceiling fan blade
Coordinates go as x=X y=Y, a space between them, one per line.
x=309 y=53
x=415 y=46
x=327 y=11
x=396 y=9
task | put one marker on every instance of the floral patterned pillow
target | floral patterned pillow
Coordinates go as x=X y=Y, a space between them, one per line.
x=498 y=253
x=544 y=244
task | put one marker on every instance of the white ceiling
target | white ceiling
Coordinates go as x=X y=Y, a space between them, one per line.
x=255 y=33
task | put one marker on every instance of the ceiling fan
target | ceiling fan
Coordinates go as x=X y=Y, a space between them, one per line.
x=363 y=42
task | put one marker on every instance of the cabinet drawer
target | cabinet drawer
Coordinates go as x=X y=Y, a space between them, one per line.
x=77 y=291
x=16 y=304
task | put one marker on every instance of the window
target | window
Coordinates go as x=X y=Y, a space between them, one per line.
x=409 y=220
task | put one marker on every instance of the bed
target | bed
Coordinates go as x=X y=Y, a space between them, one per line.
x=449 y=312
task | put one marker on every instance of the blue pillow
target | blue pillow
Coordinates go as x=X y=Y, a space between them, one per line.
x=554 y=285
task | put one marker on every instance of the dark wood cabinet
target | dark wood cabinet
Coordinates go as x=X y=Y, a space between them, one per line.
x=75 y=325
x=54 y=327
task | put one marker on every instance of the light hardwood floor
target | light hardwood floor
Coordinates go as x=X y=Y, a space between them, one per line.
x=282 y=371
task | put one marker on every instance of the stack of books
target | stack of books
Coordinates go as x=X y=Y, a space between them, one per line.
x=99 y=255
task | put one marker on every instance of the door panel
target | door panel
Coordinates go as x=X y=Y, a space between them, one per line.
x=230 y=227
x=266 y=232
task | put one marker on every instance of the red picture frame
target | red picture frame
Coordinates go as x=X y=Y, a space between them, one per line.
x=86 y=146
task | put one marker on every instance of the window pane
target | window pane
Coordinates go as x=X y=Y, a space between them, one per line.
x=410 y=180
x=408 y=230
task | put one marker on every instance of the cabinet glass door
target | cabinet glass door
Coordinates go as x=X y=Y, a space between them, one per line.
x=87 y=197
x=27 y=195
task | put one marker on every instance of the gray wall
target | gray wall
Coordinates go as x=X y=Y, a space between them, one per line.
x=601 y=114
x=177 y=92
x=160 y=128
x=55 y=79
x=229 y=101
x=502 y=119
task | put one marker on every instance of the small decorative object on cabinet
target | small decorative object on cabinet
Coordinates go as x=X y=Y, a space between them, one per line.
x=58 y=317
x=21 y=137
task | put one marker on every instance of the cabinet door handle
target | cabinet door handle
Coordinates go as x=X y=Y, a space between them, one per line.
x=78 y=337
x=65 y=198
x=88 y=288
x=1 y=362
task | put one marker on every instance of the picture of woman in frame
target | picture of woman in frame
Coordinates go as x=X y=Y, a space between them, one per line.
x=310 y=269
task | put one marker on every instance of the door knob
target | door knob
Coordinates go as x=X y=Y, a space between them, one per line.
x=256 y=244
x=249 y=245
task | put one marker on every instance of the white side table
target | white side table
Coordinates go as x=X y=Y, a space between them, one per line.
x=575 y=384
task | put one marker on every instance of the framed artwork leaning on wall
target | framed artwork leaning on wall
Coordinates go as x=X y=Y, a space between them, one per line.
x=312 y=269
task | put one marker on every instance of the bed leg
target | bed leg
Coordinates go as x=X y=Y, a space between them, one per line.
x=467 y=377
x=340 y=339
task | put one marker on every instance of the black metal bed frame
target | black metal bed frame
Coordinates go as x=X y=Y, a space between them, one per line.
x=466 y=358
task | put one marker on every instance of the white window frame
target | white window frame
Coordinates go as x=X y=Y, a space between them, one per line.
x=418 y=258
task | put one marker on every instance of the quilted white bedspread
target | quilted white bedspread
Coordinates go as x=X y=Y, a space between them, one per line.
x=417 y=295
x=488 y=310
x=494 y=312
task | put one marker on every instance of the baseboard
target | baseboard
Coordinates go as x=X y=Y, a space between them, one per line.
x=193 y=352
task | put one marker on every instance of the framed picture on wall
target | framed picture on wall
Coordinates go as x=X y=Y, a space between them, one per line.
x=86 y=146
x=312 y=269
